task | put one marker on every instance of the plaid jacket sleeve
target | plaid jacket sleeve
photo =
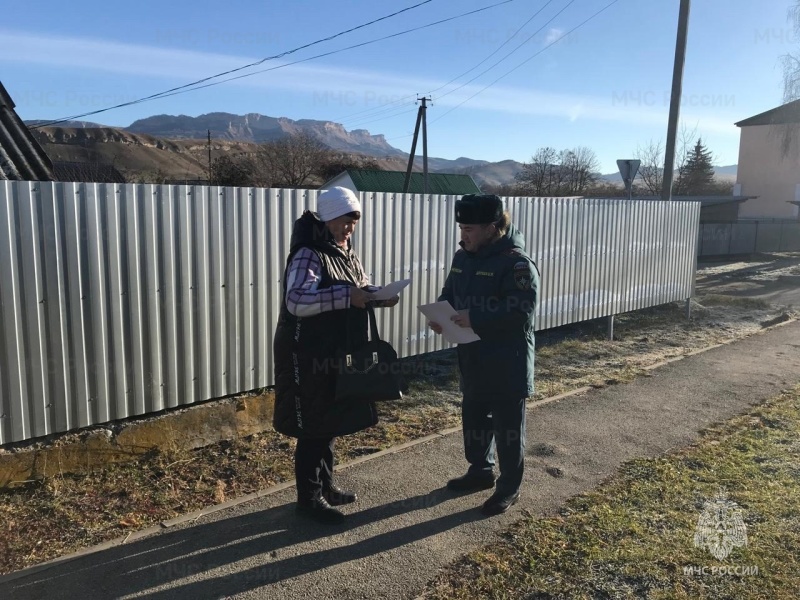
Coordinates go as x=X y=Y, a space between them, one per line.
x=303 y=298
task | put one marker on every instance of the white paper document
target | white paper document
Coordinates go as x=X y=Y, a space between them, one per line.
x=440 y=312
x=390 y=290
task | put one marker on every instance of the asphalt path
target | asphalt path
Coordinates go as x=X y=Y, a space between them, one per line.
x=406 y=526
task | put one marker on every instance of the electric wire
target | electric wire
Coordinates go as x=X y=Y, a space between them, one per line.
x=388 y=106
x=581 y=24
x=528 y=39
x=247 y=66
x=507 y=41
x=195 y=85
x=367 y=43
x=500 y=47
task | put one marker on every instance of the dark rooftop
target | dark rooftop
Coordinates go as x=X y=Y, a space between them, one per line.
x=21 y=156
x=786 y=113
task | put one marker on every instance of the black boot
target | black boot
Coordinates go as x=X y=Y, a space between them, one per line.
x=337 y=497
x=318 y=509
x=498 y=503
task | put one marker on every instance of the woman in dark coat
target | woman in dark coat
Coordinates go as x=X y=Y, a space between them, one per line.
x=325 y=293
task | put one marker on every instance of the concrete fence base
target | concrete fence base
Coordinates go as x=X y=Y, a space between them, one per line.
x=185 y=429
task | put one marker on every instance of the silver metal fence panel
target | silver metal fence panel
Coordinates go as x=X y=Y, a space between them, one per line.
x=33 y=313
x=123 y=300
x=743 y=238
x=769 y=237
x=791 y=237
x=13 y=374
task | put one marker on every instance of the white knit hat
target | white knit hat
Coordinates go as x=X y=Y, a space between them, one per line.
x=336 y=202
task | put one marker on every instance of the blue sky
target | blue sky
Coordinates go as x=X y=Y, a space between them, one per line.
x=604 y=86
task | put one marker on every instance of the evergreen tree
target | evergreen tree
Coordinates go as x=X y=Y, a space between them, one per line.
x=697 y=177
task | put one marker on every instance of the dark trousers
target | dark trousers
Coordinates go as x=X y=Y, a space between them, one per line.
x=313 y=466
x=500 y=421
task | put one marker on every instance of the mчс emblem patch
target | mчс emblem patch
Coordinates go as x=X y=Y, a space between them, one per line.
x=522 y=275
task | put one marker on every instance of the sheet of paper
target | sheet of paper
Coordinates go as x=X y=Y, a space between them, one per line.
x=390 y=290
x=440 y=312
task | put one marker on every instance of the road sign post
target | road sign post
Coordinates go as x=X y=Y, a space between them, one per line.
x=628 y=167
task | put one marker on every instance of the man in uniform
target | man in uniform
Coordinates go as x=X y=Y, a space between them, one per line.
x=493 y=284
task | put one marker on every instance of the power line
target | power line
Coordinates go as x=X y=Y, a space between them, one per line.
x=581 y=24
x=500 y=47
x=367 y=43
x=528 y=39
x=360 y=124
x=253 y=64
x=390 y=106
x=194 y=85
x=526 y=61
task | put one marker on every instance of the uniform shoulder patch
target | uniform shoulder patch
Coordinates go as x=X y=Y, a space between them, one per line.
x=522 y=275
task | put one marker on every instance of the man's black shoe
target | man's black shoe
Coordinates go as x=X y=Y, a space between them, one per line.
x=319 y=510
x=471 y=482
x=337 y=497
x=499 y=503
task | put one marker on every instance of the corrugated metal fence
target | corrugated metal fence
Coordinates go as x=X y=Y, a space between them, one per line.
x=748 y=237
x=122 y=300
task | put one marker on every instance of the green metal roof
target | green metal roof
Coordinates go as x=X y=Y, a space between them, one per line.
x=369 y=180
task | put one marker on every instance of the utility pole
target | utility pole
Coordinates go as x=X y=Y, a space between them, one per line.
x=675 y=100
x=209 y=155
x=424 y=146
x=420 y=119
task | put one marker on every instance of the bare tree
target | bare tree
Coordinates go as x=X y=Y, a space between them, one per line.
x=336 y=162
x=686 y=139
x=291 y=161
x=789 y=133
x=558 y=173
x=651 y=168
x=578 y=169
x=535 y=178
x=791 y=62
x=233 y=170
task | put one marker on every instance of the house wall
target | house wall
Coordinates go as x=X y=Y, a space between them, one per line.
x=765 y=173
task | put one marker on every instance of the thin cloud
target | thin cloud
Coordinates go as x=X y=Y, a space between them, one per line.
x=553 y=35
x=362 y=88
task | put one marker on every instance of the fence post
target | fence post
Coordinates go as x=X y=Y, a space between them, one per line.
x=702 y=235
x=730 y=238
x=755 y=239
x=610 y=328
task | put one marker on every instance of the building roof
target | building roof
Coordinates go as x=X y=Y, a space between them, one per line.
x=786 y=113
x=712 y=200
x=371 y=180
x=87 y=172
x=703 y=200
x=21 y=156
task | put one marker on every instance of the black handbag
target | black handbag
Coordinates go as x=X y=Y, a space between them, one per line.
x=370 y=373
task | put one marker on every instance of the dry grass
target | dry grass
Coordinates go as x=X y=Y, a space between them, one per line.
x=59 y=515
x=633 y=537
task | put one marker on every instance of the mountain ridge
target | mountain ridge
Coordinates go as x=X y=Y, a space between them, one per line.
x=187 y=136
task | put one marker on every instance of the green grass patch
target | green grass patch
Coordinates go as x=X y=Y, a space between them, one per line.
x=633 y=537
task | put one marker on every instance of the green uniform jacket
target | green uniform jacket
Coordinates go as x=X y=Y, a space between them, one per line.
x=499 y=285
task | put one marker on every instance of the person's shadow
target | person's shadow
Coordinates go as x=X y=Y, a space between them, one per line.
x=157 y=561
